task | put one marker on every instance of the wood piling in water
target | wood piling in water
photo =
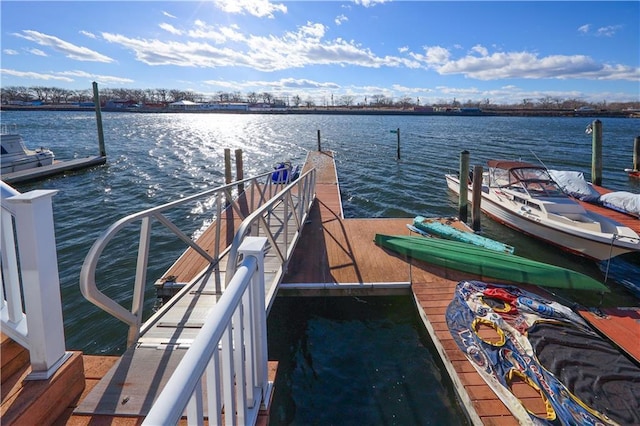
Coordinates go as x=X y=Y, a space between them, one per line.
x=636 y=152
x=463 y=173
x=476 y=197
x=96 y=102
x=239 y=170
x=596 y=153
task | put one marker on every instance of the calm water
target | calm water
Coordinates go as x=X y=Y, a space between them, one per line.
x=391 y=373
x=154 y=158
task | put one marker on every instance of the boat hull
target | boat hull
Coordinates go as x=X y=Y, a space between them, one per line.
x=592 y=246
x=487 y=263
x=16 y=157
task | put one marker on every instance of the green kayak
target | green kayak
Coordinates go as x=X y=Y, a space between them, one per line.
x=488 y=263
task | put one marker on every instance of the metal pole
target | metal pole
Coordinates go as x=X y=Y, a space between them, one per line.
x=319 y=145
x=398 y=132
x=96 y=102
x=596 y=153
x=464 y=186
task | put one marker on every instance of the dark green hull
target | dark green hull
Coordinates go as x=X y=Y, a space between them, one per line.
x=488 y=263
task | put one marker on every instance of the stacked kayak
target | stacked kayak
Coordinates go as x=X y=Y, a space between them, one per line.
x=454 y=229
x=487 y=263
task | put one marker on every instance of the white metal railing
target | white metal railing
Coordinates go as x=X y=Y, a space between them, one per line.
x=262 y=193
x=30 y=279
x=228 y=358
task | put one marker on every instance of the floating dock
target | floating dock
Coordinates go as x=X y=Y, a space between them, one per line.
x=57 y=168
x=345 y=261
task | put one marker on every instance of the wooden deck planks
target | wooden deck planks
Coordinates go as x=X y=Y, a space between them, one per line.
x=621 y=325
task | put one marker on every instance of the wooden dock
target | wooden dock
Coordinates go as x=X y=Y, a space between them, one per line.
x=57 y=168
x=333 y=254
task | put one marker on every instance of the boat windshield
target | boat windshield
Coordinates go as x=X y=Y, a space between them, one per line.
x=533 y=180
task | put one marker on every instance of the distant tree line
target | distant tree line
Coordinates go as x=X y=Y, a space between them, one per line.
x=58 y=96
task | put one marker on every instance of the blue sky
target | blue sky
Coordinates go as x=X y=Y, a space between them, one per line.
x=434 y=51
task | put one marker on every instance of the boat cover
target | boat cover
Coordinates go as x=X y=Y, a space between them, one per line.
x=581 y=378
x=625 y=202
x=574 y=184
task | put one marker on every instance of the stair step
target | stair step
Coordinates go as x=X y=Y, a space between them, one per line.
x=14 y=358
x=31 y=402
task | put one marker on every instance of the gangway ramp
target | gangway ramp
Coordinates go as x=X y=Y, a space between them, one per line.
x=138 y=377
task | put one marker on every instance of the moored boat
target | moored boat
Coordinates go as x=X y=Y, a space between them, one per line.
x=487 y=263
x=17 y=157
x=523 y=196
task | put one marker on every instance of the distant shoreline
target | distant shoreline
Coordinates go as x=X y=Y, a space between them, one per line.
x=343 y=111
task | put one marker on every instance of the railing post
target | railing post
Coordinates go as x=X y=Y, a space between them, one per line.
x=40 y=281
x=255 y=246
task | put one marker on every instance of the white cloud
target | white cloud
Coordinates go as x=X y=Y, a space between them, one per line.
x=103 y=79
x=480 y=49
x=88 y=34
x=168 y=15
x=340 y=19
x=294 y=49
x=584 y=28
x=10 y=52
x=36 y=52
x=608 y=31
x=500 y=65
x=259 y=8
x=35 y=75
x=369 y=3
x=170 y=28
x=70 y=50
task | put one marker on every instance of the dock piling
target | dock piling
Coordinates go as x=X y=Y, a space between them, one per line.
x=319 y=145
x=96 y=102
x=227 y=172
x=636 y=152
x=398 y=134
x=463 y=173
x=239 y=170
x=476 y=197
x=596 y=153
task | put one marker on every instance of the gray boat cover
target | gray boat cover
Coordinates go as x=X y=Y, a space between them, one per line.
x=574 y=184
x=622 y=201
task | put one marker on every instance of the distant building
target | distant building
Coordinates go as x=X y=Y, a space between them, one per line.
x=185 y=105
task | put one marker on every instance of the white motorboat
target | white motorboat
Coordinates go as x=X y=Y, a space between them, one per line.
x=17 y=157
x=523 y=196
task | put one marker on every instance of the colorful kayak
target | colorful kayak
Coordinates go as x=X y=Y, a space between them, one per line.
x=454 y=229
x=487 y=263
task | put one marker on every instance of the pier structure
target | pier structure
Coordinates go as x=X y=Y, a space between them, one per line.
x=313 y=249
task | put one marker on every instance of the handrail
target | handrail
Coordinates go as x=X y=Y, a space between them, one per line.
x=258 y=221
x=133 y=317
x=230 y=351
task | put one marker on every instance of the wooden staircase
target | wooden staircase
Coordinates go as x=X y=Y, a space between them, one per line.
x=37 y=402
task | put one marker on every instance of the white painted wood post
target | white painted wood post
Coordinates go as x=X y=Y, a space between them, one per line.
x=40 y=281
x=255 y=246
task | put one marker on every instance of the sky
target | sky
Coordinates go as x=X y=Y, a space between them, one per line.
x=502 y=52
